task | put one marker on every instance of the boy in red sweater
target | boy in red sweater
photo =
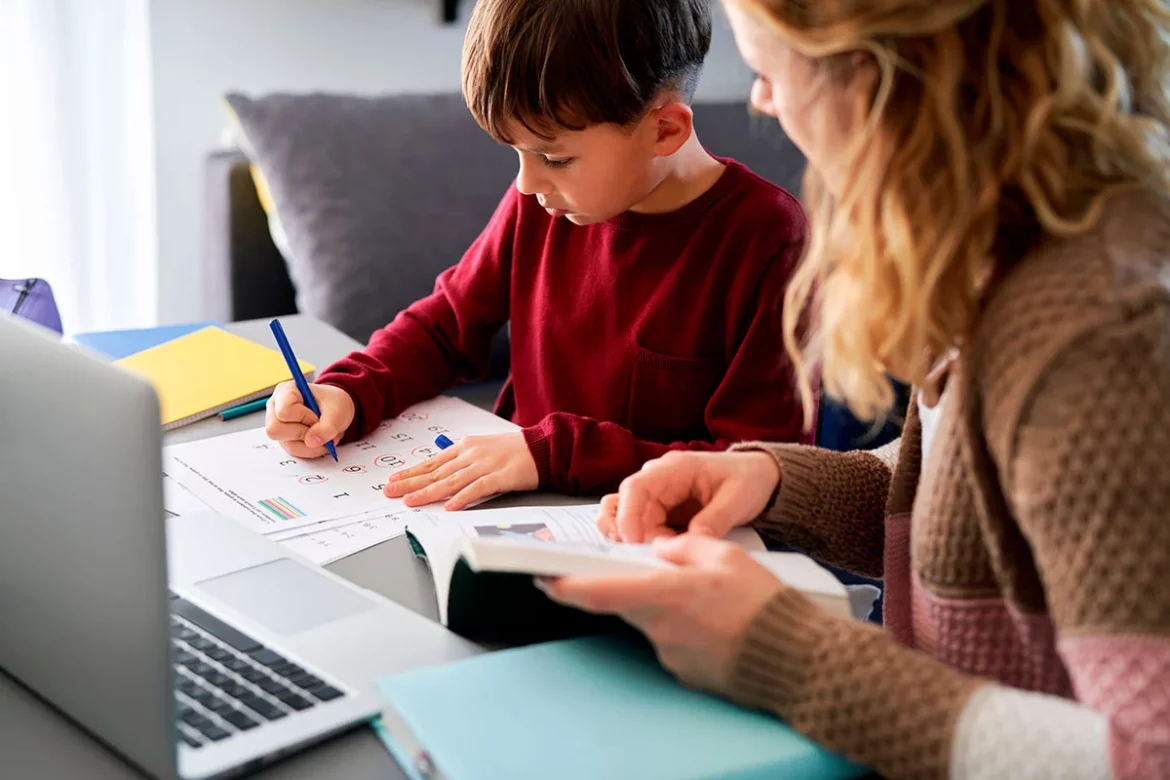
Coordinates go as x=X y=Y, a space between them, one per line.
x=642 y=277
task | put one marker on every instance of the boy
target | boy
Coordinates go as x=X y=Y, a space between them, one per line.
x=641 y=276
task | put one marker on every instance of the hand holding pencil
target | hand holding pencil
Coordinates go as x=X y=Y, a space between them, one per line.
x=307 y=420
x=301 y=431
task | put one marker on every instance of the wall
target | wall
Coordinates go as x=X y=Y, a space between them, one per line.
x=204 y=48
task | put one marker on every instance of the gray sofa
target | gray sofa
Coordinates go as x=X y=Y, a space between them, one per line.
x=246 y=277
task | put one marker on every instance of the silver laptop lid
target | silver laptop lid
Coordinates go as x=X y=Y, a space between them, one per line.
x=84 y=615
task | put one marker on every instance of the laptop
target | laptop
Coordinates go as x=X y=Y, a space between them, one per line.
x=190 y=645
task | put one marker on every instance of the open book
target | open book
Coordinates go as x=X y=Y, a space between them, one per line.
x=483 y=563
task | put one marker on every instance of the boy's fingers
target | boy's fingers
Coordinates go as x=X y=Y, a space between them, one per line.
x=288 y=407
x=298 y=449
x=478 y=490
x=280 y=431
x=428 y=465
x=398 y=487
x=444 y=488
x=322 y=432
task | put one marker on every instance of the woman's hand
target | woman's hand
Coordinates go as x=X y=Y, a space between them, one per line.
x=704 y=492
x=695 y=614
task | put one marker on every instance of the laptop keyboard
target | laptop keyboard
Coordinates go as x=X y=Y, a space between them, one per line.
x=228 y=683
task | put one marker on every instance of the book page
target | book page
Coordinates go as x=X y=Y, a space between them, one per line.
x=439 y=534
x=545 y=523
x=252 y=480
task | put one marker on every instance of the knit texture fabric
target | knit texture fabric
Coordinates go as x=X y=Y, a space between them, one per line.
x=1001 y=728
x=1035 y=533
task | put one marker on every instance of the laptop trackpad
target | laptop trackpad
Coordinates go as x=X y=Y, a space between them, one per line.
x=285 y=597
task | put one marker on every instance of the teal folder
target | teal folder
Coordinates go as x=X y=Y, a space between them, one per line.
x=583 y=709
x=118 y=344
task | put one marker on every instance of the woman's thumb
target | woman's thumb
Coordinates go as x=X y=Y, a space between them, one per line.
x=717 y=518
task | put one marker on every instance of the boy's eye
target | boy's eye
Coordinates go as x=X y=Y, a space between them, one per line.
x=550 y=163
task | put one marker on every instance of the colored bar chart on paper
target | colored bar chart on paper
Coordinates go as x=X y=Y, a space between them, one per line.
x=282 y=508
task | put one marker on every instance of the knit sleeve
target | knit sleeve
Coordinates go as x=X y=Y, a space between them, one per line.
x=850 y=687
x=831 y=505
x=1088 y=477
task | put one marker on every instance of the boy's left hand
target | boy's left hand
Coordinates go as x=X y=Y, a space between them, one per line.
x=473 y=469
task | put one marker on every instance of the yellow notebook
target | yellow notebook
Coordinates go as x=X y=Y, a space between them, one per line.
x=205 y=372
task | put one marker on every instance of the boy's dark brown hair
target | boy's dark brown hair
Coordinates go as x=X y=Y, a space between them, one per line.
x=569 y=64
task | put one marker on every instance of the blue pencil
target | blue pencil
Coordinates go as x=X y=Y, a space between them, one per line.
x=298 y=377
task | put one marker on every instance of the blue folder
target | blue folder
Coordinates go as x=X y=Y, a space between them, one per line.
x=582 y=709
x=117 y=344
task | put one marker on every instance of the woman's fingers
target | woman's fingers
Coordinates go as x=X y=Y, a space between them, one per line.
x=638 y=593
x=637 y=509
x=607 y=517
x=720 y=515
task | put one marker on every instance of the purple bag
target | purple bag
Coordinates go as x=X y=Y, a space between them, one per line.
x=31 y=299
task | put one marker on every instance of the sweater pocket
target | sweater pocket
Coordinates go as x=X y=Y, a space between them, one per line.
x=669 y=396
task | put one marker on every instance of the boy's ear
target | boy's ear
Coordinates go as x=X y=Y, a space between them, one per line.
x=673 y=126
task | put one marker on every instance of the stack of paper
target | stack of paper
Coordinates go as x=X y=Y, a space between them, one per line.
x=321 y=509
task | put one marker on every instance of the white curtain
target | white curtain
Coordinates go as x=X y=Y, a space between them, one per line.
x=77 y=203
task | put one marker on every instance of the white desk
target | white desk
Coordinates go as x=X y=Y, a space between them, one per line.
x=36 y=743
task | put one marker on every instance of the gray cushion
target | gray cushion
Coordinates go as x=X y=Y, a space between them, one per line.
x=728 y=130
x=376 y=196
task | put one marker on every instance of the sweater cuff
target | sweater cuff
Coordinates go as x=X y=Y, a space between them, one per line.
x=849 y=687
x=798 y=497
x=776 y=652
x=538 y=446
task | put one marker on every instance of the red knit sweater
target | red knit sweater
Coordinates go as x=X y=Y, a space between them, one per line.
x=629 y=338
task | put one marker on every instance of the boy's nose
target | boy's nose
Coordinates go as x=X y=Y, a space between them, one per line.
x=529 y=181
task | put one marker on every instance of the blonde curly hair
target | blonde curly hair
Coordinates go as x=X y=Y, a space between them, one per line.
x=990 y=118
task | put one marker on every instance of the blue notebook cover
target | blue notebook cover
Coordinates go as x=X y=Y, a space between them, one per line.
x=580 y=709
x=117 y=344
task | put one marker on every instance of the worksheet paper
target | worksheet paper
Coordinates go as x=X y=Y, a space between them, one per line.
x=353 y=536
x=322 y=543
x=251 y=479
x=178 y=501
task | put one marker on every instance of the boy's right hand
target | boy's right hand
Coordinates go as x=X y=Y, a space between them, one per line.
x=299 y=431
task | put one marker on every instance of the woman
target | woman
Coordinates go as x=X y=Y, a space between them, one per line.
x=989 y=196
